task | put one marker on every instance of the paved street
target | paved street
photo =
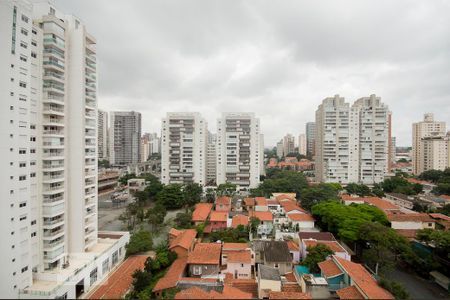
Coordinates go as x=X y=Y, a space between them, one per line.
x=418 y=287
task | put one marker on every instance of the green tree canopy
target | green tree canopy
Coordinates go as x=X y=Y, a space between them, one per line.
x=316 y=194
x=316 y=255
x=140 y=241
x=192 y=193
x=226 y=189
x=281 y=182
x=171 y=196
x=358 y=189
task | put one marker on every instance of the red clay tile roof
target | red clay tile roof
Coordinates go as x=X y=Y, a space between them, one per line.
x=285 y=196
x=350 y=292
x=261 y=201
x=300 y=217
x=120 y=280
x=174 y=232
x=235 y=246
x=172 y=276
x=224 y=200
x=446 y=197
x=291 y=287
x=239 y=220
x=362 y=278
x=423 y=182
x=192 y=293
x=290 y=277
x=249 y=201
x=289 y=206
x=333 y=245
x=218 y=216
x=201 y=212
x=197 y=279
x=184 y=239
x=292 y=246
x=243 y=256
x=246 y=285
x=329 y=268
x=320 y=236
x=272 y=202
x=289 y=295
x=380 y=203
x=439 y=216
x=414 y=217
x=263 y=215
x=205 y=254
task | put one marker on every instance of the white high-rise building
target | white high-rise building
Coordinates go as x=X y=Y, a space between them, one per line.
x=302 y=144
x=155 y=144
x=352 y=143
x=262 y=166
x=102 y=134
x=49 y=114
x=280 y=149
x=125 y=137
x=145 y=147
x=238 y=150
x=183 y=148
x=427 y=128
x=211 y=159
x=288 y=144
x=310 y=139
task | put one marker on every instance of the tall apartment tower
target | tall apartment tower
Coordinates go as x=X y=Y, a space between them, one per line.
x=125 y=137
x=288 y=144
x=238 y=150
x=155 y=143
x=262 y=165
x=310 y=139
x=49 y=124
x=427 y=128
x=302 y=144
x=102 y=134
x=183 y=148
x=280 y=149
x=211 y=159
x=145 y=147
x=436 y=152
x=352 y=142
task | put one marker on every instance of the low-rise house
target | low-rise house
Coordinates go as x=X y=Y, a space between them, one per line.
x=291 y=207
x=317 y=287
x=351 y=280
x=176 y=271
x=442 y=221
x=269 y=280
x=135 y=185
x=333 y=245
x=414 y=221
x=278 y=256
x=232 y=247
x=386 y=206
x=223 y=203
x=201 y=213
x=266 y=222
x=294 y=249
x=289 y=295
x=274 y=206
x=204 y=260
x=218 y=220
x=182 y=241
x=284 y=196
x=427 y=185
x=401 y=200
x=261 y=204
x=228 y=292
x=240 y=264
x=249 y=204
x=318 y=236
x=239 y=220
x=301 y=220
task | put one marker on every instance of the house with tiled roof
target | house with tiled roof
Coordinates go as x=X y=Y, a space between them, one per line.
x=289 y=295
x=283 y=196
x=246 y=285
x=291 y=207
x=441 y=220
x=277 y=255
x=218 y=220
x=301 y=220
x=266 y=221
x=249 y=204
x=319 y=236
x=240 y=264
x=170 y=279
x=333 y=245
x=204 y=259
x=261 y=204
x=201 y=212
x=352 y=280
x=408 y=224
x=228 y=292
x=232 y=247
x=294 y=249
x=239 y=220
x=223 y=203
x=182 y=241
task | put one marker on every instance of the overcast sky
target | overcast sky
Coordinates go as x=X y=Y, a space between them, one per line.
x=279 y=59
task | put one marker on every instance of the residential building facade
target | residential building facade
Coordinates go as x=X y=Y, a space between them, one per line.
x=302 y=144
x=211 y=159
x=125 y=137
x=424 y=129
x=288 y=144
x=238 y=150
x=183 y=148
x=102 y=134
x=310 y=139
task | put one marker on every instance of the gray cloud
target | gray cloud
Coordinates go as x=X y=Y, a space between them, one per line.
x=276 y=58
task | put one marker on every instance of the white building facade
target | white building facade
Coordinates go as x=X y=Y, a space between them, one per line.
x=302 y=144
x=238 y=150
x=49 y=114
x=102 y=134
x=125 y=137
x=183 y=148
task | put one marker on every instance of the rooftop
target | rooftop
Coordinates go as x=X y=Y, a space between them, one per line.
x=263 y=215
x=261 y=201
x=292 y=246
x=333 y=245
x=277 y=251
x=235 y=246
x=269 y=273
x=300 y=217
x=224 y=200
x=184 y=238
x=350 y=292
x=201 y=212
x=205 y=254
x=249 y=201
x=329 y=268
x=218 y=216
x=243 y=256
x=289 y=295
x=413 y=217
x=239 y=220
x=319 y=236
x=170 y=279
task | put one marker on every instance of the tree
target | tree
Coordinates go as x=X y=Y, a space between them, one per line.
x=104 y=163
x=226 y=189
x=253 y=224
x=141 y=197
x=210 y=195
x=432 y=175
x=395 y=288
x=183 y=220
x=140 y=241
x=438 y=238
x=316 y=194
x=316 y=255
x=402 y=160
x=141 y=280
x=281 y=181
x=171 y=196
x=124 y=179
x=192 y=193
x=156 y=215
x=377 y=190
x=358 y=189
x=400 y=185
x=444 y=210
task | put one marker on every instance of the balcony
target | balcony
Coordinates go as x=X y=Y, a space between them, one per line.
x=53 y=132
x=52 y=41
x=53 y=255
x=52 y=98
x=53 y=210
x=53 y=121
x=52 y=223
x=49 y=109
x=52 y=200
x=52 y=178
x=53 y=233
x=53 y=167
x=53 y=244
x=51 y=63
x=53 y=155
x=53 y=189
